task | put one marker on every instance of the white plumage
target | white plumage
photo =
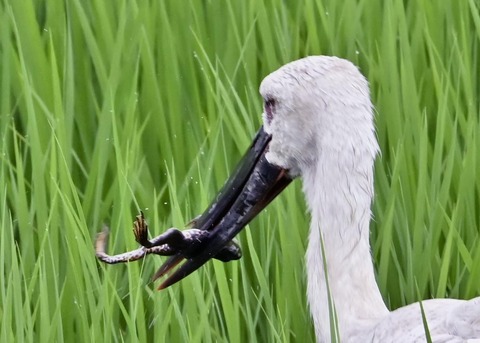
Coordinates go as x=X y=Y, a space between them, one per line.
x=319 y=114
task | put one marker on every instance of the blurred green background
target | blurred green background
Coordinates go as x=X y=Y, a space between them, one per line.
x=111 y=107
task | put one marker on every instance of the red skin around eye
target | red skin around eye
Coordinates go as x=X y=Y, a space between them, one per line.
x=269 y=109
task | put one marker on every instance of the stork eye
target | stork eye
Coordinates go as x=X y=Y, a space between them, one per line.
x=269 y=107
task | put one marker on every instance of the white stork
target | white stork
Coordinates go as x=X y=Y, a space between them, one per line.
x=318 y=125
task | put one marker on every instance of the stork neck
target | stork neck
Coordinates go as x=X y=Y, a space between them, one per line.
x=339 y=194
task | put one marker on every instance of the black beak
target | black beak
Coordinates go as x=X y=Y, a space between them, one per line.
x=253 y=185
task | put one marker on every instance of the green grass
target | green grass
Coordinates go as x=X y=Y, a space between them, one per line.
x=109 y=107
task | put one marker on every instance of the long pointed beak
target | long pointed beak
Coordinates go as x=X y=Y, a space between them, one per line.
x=253 y=185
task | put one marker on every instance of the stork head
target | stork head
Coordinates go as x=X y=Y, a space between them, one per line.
x=313 y=104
